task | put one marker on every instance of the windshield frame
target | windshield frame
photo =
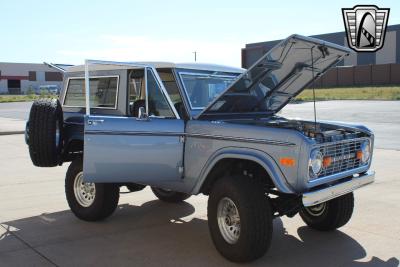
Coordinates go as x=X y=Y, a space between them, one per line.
x=204 y=73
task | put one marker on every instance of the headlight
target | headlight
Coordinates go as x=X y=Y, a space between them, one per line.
x=365 y=152
x=315 y=162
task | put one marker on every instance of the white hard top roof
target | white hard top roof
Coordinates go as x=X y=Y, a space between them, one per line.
x=131 y=65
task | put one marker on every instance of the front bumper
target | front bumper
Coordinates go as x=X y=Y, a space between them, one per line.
x=325 y=194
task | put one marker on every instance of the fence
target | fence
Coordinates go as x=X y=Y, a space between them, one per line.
x=361 y=75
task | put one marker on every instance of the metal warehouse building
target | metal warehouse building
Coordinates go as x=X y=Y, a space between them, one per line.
x=365 y=68
x=17 y=78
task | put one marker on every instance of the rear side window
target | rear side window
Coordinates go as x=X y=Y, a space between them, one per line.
x=103 y=92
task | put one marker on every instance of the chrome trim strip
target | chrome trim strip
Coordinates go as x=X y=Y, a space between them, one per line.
x=92 y=77
x=133 y=133
x=333 y=177
x=117 y=63
x=241 y=139
x=146 y=90
x=87 y=88
x=217 y=137
x=325 y=194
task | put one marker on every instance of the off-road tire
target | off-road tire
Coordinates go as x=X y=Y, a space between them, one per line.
x=45 y=118
x=105 y=201
x=255 y=218
x=337 y=213
x=169 y=195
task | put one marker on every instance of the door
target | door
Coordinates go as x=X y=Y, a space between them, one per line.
x=147 y=150
x=14 y=87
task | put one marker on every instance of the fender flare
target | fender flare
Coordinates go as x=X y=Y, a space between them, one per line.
x=258 y=156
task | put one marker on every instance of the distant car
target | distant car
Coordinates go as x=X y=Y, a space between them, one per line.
x=52 y=89
x=186 y=129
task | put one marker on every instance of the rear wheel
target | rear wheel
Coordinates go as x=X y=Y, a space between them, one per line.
x=89 y=201
x=45 y=132
x=329 y=215
x=239 y=218
x=169 y=195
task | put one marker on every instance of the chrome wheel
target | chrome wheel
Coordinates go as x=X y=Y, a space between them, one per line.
x=84 y=192
x=316 y=210
x=228 y=220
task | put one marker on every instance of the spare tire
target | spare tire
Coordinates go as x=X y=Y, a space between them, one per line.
x=45 y=128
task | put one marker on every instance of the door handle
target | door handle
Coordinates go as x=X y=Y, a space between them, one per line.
x=94 y=122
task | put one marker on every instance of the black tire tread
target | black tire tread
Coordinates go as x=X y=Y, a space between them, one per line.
x=338 y=213
x=106 y=200
x=42 y=127
x=254 y=209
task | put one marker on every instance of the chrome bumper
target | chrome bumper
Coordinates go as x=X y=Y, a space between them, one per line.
x=322 y=195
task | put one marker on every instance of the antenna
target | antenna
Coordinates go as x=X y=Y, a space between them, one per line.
x=313 y=88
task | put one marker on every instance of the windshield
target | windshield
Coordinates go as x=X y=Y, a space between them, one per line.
x=201 y=87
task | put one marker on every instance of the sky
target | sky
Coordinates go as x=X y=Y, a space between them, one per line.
x=71 y=31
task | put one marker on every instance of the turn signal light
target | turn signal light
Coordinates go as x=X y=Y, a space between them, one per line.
x=359 y=155
x=289 y=162
x=327 y=161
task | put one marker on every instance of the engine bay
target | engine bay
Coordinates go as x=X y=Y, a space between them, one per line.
x=320 y=132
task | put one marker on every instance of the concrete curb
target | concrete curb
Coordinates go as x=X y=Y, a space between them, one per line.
x=11 y=132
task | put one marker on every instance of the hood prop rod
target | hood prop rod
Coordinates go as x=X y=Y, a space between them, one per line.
x=313 y=89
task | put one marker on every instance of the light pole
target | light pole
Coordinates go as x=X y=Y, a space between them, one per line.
x=195 y=56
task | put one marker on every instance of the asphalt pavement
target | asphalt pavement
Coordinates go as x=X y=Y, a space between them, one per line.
x=15 y=110
x=13 y=117
x=38 y=229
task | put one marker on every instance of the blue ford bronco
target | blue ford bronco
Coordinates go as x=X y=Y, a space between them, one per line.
x=186 y=129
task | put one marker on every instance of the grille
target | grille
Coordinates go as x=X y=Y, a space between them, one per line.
x=343 y=156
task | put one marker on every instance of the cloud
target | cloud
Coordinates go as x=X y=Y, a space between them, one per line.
x=141 y=48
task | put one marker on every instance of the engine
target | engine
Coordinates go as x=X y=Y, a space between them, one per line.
x=320 y=132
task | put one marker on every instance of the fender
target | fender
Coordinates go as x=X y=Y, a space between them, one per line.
x=258 y=156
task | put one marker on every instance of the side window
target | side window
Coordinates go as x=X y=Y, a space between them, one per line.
x=170 y=85
x=137 y=95
x=158 y=104
x=169 y=81
x=103 y=92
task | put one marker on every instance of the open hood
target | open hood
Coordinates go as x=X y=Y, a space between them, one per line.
x=276 y=78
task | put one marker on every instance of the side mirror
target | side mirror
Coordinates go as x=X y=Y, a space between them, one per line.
x=142 y=115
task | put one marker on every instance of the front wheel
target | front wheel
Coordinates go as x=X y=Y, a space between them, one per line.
x=239 y=218
x=89 y=201
x=329 y=215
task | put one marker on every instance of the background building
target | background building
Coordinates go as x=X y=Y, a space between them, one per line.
x=18 y=78
x=365 y=68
